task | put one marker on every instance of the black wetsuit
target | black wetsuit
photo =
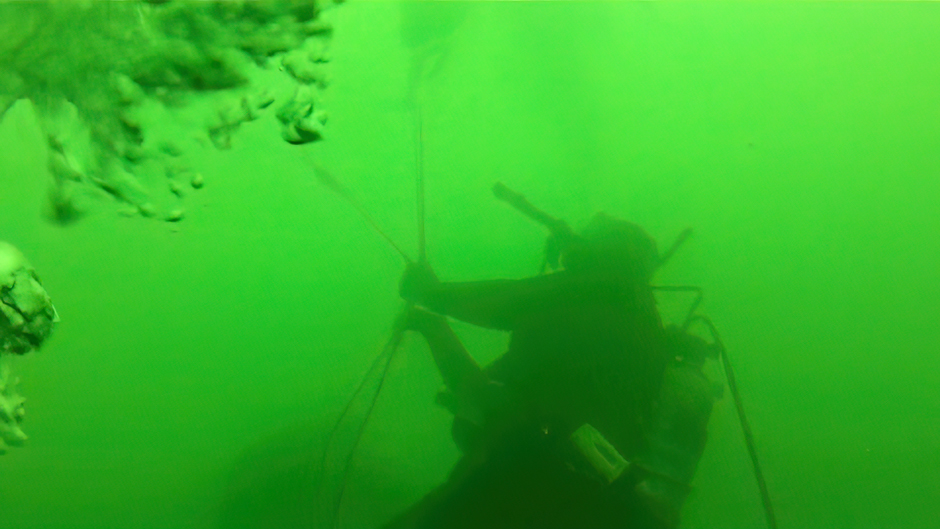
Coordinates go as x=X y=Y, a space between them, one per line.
x=585 y=349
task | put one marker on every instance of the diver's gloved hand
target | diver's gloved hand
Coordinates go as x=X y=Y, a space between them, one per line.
x=418 y=281
x=26 y=312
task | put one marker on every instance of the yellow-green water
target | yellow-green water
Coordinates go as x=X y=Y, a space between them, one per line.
x=199 y=365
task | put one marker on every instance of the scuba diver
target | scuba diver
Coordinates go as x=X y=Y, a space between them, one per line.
x=595 y=416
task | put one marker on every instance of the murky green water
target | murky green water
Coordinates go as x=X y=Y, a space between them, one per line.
x=199 y=365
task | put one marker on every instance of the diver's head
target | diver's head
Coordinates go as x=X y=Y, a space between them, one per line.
x=26 y=312
x=611 y=245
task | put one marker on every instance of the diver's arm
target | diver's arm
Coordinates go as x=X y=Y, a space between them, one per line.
x=461 y=374
x=494 y=304
x=502 y=303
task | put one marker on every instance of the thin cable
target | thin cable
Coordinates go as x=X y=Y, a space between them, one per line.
x=745 y=426
x=324 y=177
x=389 y=353
x=419 y=181
x=391 y=347
x=380 y=360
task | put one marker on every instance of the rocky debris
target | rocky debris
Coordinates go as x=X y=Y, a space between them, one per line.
x=301 y=121
x=27 y=317
x=113 y=74
x=197 y=181
x=12 y=410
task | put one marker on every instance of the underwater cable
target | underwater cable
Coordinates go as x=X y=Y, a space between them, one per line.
x=384 y=360
x=331 y=183
x=742 y=417
x=388 y=354
x=691 y=318
x=419 y=182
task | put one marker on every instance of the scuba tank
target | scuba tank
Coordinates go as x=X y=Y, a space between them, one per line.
x=678 y=430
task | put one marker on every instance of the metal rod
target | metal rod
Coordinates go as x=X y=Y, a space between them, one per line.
x=522 y=205
x=675 y=246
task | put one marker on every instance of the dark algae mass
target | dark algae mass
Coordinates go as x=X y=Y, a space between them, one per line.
x=469 y=264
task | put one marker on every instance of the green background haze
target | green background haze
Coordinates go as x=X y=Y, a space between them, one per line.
x=800 y=140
